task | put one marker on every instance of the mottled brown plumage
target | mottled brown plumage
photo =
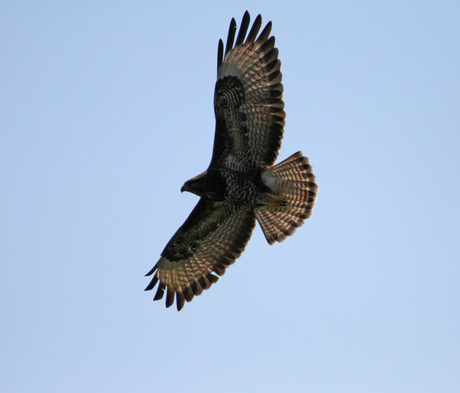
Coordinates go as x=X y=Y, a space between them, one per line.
x=241 y=185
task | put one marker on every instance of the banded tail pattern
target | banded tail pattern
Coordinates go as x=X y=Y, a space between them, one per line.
x=293 y=182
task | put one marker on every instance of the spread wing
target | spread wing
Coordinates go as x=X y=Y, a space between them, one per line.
x=248 y=101
x=209 y=241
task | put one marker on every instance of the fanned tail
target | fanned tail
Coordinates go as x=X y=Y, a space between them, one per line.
x=293 y=194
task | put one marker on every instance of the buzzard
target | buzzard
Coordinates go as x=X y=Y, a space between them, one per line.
x=241 y=185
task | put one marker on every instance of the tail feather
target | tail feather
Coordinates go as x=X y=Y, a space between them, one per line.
x=293 y=181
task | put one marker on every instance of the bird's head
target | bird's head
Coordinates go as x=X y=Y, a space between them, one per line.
x=196 y=185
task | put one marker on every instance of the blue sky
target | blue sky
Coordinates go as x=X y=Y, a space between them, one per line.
x=106 y=109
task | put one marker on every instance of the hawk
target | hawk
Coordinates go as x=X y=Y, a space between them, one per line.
x=241 y=185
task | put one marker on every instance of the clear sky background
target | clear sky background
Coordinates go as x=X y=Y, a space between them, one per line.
x=107 y=108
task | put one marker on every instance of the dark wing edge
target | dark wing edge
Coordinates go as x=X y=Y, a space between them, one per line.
x=249 y=109
x=210 y=240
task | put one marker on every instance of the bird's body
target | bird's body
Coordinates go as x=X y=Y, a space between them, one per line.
x=236 y=186
x=241 y=185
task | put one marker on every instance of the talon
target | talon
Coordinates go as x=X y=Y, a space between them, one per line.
x=275 y=201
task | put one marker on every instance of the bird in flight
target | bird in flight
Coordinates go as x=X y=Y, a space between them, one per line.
x=241 y=185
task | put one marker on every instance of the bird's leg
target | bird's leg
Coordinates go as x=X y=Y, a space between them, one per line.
x=275 y=200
